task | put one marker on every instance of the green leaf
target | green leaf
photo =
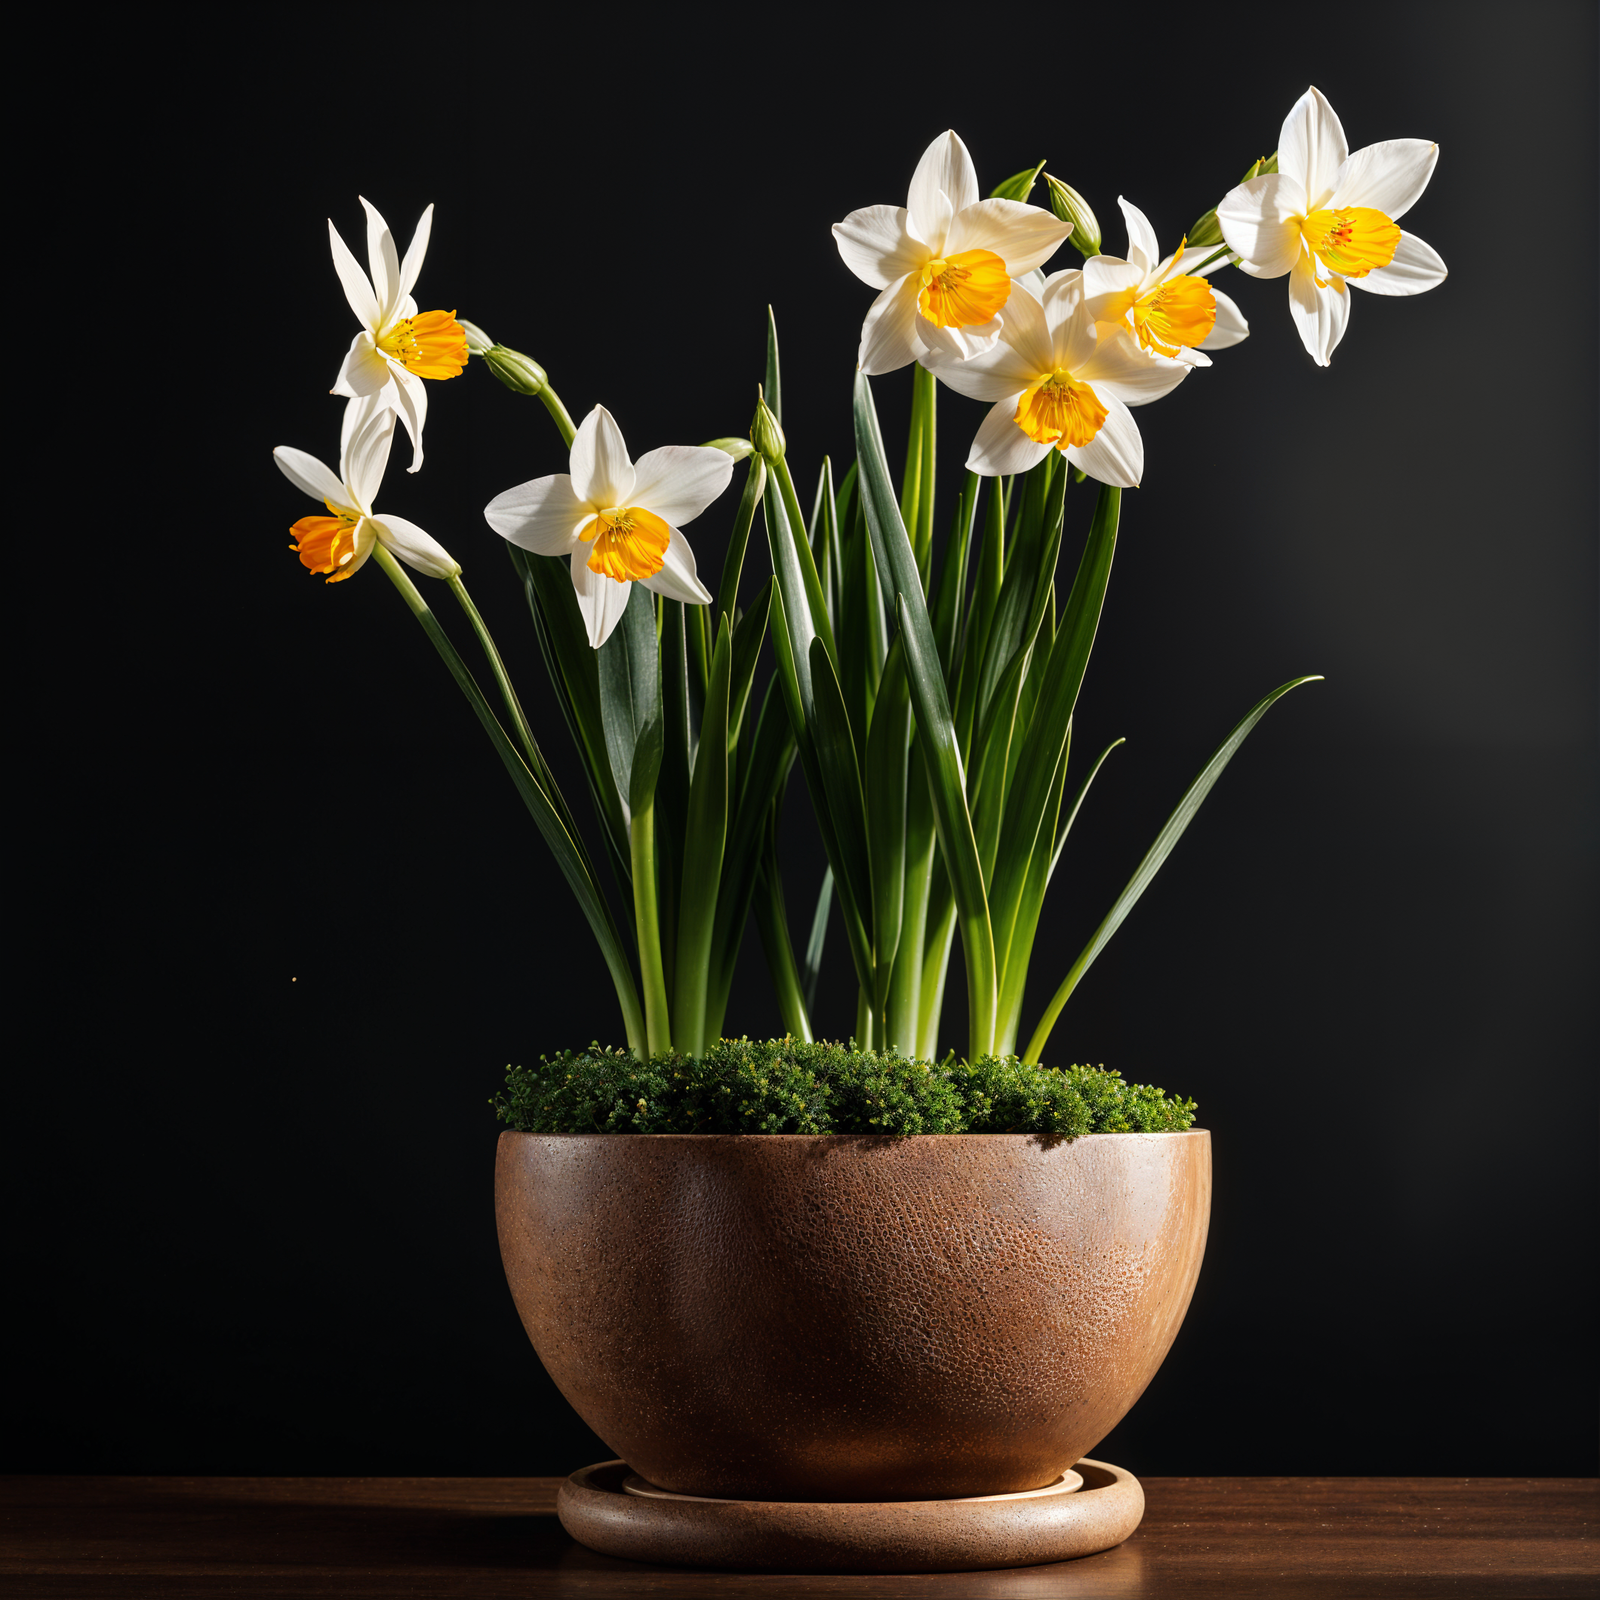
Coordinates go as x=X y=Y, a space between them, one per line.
x=755 y=486
x=747 y=638
x=819 y=935
x=564 y=644
x=884 y=783
x=1077 y=804
x=846 y=810
x=773 y=387
x=897 y=568
x=950 y=596
x=672 y=786
x=630 y=700
x=1018 y=186
x=1157 y=853
x=1047 y=735
x=705 y=833
x=764 y=773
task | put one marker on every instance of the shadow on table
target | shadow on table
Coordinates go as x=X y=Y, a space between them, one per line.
x=430 y=1541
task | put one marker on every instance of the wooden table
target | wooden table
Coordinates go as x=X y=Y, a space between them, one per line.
x=440 y=1537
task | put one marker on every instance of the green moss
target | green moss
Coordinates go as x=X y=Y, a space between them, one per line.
x=782 y=1086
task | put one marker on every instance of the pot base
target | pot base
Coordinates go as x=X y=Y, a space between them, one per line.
x=601 y=1509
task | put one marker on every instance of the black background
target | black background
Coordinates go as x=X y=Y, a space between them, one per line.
x=284 y=921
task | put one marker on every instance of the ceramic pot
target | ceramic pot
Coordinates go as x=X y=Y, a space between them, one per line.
x=785 y=1317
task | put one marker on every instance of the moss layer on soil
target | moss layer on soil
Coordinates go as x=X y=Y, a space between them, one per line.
x=783 y=1086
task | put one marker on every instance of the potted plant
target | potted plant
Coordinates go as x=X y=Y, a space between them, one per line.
x=921 y=1284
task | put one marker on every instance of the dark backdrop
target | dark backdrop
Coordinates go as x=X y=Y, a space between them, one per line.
x=287 y=921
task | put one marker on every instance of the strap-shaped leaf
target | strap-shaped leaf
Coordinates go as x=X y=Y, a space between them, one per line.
x=884 y=777
x=672 y=785
x=630 y=700
x=1157 y=853
x=897 y=570
x=975 y=636
x=755 y=486
x=704 y=835
x=773 y=387
x=1078 y=799
x=747 y=640
x=1018 y=186
x=570 y=663
x=950 y=596
x=764 y=773
x=1047 y=734
x=818 y=939
x=841 y=783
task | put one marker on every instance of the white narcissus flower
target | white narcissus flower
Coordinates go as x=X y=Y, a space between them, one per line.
x=398 y=346
x=1171 y=312
x=945 y=261
x=339 y=543
x=1328 y=219
x=616 y=519
x=1057 y=383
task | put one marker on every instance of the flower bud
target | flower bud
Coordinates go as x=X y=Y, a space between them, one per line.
x=737 y=448
x=1206 y=233
x=478 y=342
x=519 y=373
x=1070 y=206
x=765 y=434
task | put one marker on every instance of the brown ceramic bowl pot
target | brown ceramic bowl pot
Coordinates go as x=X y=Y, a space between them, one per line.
x=785 y=1317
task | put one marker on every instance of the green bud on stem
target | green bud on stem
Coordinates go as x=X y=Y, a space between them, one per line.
x=1206 y=234
x=519 y=373
x=737 y=448
x=765 y=433
x=1070 y=206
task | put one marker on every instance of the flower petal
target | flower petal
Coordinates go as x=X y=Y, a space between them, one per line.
x=364 y=450
x=415 y=251
x=1001 y=447
x=602 y=600
x=955 y=344
x=384 y=262
x=602 y=474
x=1023 y=236
x=874 y=244
x=415 y=548
x=1311 y=149
x=1143 y=250
x=410 y=397
x=364 y=370
x=542 y=515
x=1416 y=267
x=1116 y=453
x=1320 y=315
x=1107 y=279
x=678 y=579
x=356 y=285
x=309 y=475
x=945 y=169
x=1072 y=329
x=1230 y=326
x=888 y=336
x=1119 y=367
x=1261 y=222
x=1389 y=177
x=679 y=481
x=1020 y=356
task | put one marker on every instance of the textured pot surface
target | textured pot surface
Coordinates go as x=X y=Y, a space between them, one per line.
x=782 y=1317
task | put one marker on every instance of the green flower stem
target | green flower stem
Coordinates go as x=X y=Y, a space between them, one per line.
x=558 y=414
x=564 y=845
x=922 y=533
x=772 y=924
x=647 y=923
x=501 y=677
x=864 y=1037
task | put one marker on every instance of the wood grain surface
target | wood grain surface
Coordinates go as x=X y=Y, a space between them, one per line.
x=1349 y=1538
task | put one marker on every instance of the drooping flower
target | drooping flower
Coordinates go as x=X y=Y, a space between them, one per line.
x=339 y=543
x=1163 y=302
x=616 y=519
x=945 y=261
x=398 y=346
x=1329 y=219
x=1058 y=382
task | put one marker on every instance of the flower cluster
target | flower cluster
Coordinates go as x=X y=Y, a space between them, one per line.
x=1062 y=358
